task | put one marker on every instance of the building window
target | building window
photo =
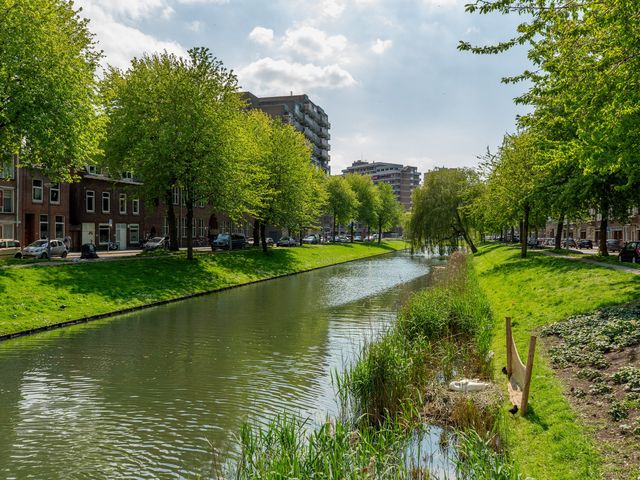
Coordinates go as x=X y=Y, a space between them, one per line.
x=92 y=169
x=59 y=226
x=106 y=202
x=123 y=203
x=44 y=226
x=184 y=227
x=6 y=201
x=176 y=196
x=36 y=190
x=165 y=227
x=127 y=175
x=90 y=201
x=134 y=234
x=6 y=231
x=103 y=234
x=54 y=193
x=135 y=206
x=7 y=169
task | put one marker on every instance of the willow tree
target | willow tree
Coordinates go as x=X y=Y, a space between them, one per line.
x=342 y=201
x=440 y=208
x=173 y=120
x=48 y=90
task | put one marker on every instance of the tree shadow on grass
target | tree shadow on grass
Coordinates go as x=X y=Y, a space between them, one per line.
x=145 y=280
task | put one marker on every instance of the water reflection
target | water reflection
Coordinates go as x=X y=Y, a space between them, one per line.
x=148 y=395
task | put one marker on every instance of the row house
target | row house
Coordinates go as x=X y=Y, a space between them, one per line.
x=627 y=229
x=97 y=209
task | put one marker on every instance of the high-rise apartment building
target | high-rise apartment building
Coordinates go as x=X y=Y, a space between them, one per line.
x=403 y=179
x=305 y=116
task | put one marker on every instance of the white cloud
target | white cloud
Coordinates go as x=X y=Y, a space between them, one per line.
x=195 y=26
x=199 y=2
x=167 y=12
x=268 y=76
x=313 y=43
x=380 y=46
x=120 y=42
x=133 y=9
x=431 y=4
x=332 y=8
x=261 y=35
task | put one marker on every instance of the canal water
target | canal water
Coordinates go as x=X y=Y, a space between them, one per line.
x=151 y=394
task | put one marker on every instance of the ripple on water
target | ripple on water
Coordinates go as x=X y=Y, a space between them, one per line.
x=147 y=395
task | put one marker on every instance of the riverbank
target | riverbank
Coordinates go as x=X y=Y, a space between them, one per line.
x=397 y=418
x=39 y=298
x=554 y=441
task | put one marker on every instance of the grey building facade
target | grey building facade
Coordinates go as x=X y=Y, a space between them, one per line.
x=305 y=116
x=403 y=179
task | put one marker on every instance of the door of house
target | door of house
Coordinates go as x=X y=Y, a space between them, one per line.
x=88 y=233
x=121 y=235
x=29 y=228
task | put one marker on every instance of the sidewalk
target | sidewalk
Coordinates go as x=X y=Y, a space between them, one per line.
x=620 y=267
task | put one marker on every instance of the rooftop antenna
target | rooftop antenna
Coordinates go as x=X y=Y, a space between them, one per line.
x=291 y=93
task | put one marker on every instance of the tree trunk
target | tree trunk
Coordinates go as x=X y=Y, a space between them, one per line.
x=513 y=234
x=525 y=231
x=171 y=222
x=604 y=222
x=467 y=237
x=189 y=205
x=559 y=232
x=352 y=226
x=256 y=233
x=333 y=238
x=379 y=232
x=263 y=236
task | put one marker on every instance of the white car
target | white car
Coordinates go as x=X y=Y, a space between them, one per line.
x=39 y=249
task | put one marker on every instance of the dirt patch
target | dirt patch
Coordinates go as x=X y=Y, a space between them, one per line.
x=597 y=358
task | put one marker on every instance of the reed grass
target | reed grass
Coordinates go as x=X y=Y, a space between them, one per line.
x=441 y=332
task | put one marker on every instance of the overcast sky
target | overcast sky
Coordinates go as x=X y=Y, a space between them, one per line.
x=387 y=72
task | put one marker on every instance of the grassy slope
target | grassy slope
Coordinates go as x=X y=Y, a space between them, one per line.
x=32 y=297
x=550 y=443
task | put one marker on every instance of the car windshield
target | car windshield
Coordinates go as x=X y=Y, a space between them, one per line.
x=39 y=243
x=223 y=236
x=156 y=240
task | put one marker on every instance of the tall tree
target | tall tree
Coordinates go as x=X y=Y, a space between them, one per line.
x=388 y=209
x=366 y=193
x=172 y=121
x=342 y=202
x=48 y=91
x=440 y=208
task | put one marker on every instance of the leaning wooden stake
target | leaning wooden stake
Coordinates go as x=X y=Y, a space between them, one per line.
x=518 y=374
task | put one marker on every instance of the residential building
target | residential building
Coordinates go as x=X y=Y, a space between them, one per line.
x=403 y=179
x=627 y=229
x=305 y=116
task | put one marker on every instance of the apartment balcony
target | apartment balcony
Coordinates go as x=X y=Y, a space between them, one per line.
x=312 y=111
x=324 y=143
x=324 y=154
x=324 y=133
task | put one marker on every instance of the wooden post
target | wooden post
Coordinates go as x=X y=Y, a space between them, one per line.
x=509 y=349
x=527 y=380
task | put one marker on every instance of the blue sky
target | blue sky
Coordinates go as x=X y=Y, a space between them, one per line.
x=387 y=72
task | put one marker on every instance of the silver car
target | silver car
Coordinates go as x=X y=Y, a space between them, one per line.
x=39 y=249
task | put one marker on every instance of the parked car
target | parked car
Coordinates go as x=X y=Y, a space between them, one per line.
x=630 y=253
x=357 y=238
x=10 y=248
x=155 y=243
x=614 y=245
x=287 y=242
x=585 y=243
x=570 y=241
x=313 y=239
x=39 y=249
x=88 y=250
x=222 y=241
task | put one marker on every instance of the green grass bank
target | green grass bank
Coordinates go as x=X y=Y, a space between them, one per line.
x=550 y=442
x=41 y=296
x=392 y=393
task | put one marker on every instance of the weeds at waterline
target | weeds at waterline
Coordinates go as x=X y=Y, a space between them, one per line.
x=442 y=332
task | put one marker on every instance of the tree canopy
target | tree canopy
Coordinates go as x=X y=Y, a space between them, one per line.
x=48 y=97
